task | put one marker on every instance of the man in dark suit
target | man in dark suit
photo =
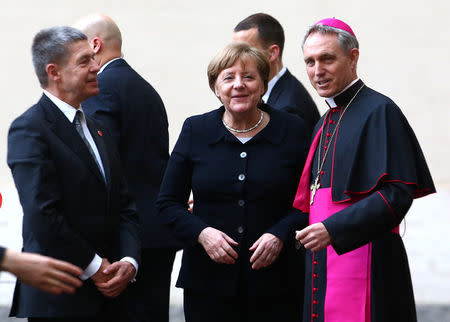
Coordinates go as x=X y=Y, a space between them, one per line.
x=70 y=185
x=285 y=92
x=134 y=114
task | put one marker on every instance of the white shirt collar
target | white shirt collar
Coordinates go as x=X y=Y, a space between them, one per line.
x=272 y=83
x=330 y=100
x=106 y=64
x=68 y=110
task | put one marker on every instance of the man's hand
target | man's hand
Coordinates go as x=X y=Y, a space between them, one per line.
x=100 y=276
x=45 y=273
x=218 y=245
x=266 y=250
x=314 y=237
x=121 y=273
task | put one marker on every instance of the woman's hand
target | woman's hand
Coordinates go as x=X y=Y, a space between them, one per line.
x=218 y=245
x=267 y=248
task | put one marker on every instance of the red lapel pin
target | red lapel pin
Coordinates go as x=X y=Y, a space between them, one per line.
x=100 y=133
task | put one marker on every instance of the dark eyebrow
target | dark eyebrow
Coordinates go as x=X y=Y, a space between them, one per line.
x=86 y=57
x=327 y=55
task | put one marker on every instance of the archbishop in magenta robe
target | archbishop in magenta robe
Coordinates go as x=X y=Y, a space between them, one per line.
x=372 y=172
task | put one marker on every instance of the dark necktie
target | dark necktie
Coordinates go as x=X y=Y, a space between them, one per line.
x=79 y=127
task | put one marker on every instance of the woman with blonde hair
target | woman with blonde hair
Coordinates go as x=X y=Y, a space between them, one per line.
x=242 y=163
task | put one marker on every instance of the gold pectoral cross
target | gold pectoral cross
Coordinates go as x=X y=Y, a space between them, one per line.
x=314 y=187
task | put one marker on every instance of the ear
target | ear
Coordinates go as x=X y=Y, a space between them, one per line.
x=96 y=44
x=216 y=91
x=354 y=56
x=53 y=72
x=263 y=90
x=274 y=52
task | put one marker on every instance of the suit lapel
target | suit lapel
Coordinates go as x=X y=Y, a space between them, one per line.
x=66 y=131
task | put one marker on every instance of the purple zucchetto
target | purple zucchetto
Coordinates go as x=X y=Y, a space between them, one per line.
x=336 y=23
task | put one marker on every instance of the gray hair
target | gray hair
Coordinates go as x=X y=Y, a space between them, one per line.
x=346 y=40
x=50 y=45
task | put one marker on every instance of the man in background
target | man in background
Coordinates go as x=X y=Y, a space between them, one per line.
x=285 y=92
x=133 y=112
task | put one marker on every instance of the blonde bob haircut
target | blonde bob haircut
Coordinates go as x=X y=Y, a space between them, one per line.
x=238 y=51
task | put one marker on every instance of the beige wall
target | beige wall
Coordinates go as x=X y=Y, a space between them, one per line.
x=405 y=50
x=404 y=53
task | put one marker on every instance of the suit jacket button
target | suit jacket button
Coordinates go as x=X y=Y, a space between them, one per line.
x=240 y=229
x=241 y=177
x=241 y=203
x=243 y=155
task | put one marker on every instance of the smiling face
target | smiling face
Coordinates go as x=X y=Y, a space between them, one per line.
x=77 y=77
x=240 y=87
x=329 y=68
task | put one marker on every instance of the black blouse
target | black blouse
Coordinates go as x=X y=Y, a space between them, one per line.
x=244 y=190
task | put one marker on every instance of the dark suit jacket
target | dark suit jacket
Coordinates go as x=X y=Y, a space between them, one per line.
x=244 y=190
x=2 y=252
x=291 y=96
x=69 y=213
x=134 y=114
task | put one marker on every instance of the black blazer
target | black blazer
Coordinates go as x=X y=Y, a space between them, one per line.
x=69 y=212
x=133 y=112
x=291 y=96
x=244 y=190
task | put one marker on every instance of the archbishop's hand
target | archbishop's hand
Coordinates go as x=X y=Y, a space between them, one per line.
x=45 y=273
x=218 y=245
x=266 y=250
x=121 y=274
x=314 y=237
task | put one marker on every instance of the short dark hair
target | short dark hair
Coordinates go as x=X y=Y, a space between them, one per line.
x=50 y=45
x=270 y=30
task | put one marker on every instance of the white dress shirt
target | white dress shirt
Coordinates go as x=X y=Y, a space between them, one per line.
x=106 y=64
x=244 y=140
x=69 y=111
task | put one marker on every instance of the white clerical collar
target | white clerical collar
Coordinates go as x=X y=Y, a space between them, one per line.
x=272 y=83
x=330 y=100
x=68 y=110
x=104 y=66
